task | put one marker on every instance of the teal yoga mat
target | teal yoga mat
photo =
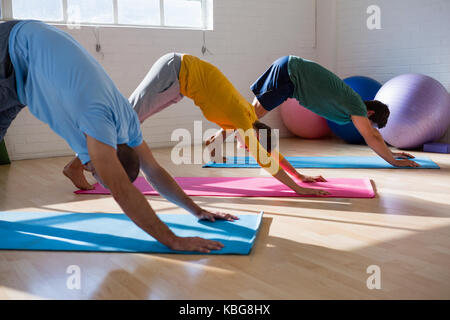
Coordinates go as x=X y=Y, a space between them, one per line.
x=325 y=162
x=55 y=231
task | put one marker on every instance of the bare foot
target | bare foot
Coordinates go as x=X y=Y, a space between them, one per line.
x=77 y=177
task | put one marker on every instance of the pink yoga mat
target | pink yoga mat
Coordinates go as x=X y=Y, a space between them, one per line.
x=253 y=187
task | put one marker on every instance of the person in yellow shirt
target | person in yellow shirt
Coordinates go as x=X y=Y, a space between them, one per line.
x=176 y=75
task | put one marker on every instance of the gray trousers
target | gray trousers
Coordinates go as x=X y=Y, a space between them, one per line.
x=160 y=87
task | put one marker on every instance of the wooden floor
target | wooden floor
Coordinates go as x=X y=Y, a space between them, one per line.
x=306 y=249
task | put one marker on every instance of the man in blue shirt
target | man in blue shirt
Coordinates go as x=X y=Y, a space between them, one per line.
x=66 y=88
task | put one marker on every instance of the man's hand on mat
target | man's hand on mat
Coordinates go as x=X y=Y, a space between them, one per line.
x=195 y=244
x=402 y=155
x=308 y=179
x=212 y=216
x=405 y=163
x=313 y=192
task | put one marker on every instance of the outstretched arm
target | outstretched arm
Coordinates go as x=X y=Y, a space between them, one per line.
x=134 y=204
x=167 y=187
x=271 y=164
x=376 y=142
x=287 y=166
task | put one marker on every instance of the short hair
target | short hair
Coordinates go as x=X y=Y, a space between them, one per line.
x=268 y=143
x=129 y=160
x=381 y=112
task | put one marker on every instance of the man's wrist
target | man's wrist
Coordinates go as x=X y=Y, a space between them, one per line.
x=298 y=188
x=170 y=240
x=195 y=209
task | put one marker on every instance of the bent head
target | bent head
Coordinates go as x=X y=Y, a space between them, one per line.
x=127 y=157
x=377 y=112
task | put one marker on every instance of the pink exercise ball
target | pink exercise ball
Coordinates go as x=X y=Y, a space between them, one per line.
x=303 y=122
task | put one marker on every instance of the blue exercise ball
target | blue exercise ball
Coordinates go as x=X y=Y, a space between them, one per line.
x=367 y=88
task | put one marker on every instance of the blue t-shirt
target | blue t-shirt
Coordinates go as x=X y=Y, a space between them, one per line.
x=65 y=87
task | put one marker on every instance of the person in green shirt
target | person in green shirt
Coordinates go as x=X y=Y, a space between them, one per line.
x=325 y=94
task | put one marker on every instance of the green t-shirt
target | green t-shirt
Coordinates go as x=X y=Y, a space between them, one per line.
x=324 y=93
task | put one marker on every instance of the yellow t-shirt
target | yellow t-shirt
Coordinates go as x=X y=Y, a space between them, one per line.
x=222 y=104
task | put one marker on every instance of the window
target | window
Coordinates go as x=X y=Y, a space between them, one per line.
x=195 y=14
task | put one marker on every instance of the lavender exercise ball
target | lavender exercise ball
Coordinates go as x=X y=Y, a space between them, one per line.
x=420 y=110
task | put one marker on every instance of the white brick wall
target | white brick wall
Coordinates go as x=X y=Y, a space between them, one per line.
x=415 y=37
x=248 y=36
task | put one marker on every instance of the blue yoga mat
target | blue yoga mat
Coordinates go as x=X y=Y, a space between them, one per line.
x=55 y=231
x=325 y=162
